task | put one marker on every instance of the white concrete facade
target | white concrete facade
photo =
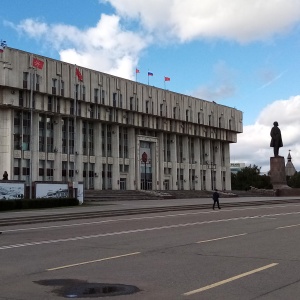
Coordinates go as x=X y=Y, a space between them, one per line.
x=109 y=132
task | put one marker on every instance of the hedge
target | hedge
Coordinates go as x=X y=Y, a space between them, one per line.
x=37 y=203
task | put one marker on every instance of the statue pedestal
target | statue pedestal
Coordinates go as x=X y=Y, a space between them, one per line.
x=277 y=173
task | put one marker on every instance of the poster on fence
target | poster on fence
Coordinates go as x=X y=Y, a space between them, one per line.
x=51 y=190
x=12 y=190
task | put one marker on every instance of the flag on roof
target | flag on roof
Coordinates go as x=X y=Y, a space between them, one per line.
x=137 y=71
x=79 y=75
x=2 y=46
x=167 y=78
x=37 y=63
x=150 y=74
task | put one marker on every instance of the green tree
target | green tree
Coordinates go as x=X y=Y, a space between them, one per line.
x=250 y=176
x=294 y=181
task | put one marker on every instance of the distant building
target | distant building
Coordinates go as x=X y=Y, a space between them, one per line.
x=236 y=167
x=289 y=167
x=62 y=122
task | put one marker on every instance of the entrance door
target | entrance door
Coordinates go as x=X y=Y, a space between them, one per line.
x=123 y=184
x=145 y=165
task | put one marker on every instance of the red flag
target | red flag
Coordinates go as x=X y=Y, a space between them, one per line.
x=167 y=78
x=37 y=63
x=79 y=75
x=137 y=71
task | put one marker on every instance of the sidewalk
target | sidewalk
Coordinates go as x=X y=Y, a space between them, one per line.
x=110 y=206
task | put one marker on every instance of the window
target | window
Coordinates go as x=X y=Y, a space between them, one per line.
x=71 y=136
x=83 y=92
x=131 y=103
x=71 y=169
x=62 y=89
x=17 y=168
x=21 y=100
x=49 y=134
x=96 y=95
x=64 y=135
x=121 y=101
x=58 y=105
x=50 y=103
x=114 y=99
x=54 y=86
x=64 y=169
x=42 y=135
x=103 y=97
x=26 y=167
x=78 y=109
x=72 y=107
x=25 y=80
x=50 y=169
x=37 y=82
x=41 y=169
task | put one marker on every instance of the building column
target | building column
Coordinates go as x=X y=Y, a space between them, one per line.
x=160 y=163
x=173 y=149
x=132 y=178
x=98 y=156
x=6 y=132
x=185 y=153
x=78 y=152
x=57 y=148
x=35 y=148
x=227 y=166
x=116 y=161
x=197 y=154
x=208 y=161
x=218 y=169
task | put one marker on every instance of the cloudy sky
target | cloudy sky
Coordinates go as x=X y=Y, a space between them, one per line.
x=243 y=54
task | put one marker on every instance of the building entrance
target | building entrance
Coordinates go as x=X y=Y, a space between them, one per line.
x=145 y=165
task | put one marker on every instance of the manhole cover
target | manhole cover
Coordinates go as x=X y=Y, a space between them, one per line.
x=72 y=288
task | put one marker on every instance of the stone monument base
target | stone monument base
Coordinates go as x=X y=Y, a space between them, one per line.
x=277 y=173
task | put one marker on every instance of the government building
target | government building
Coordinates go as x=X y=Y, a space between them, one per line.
x=64 y=123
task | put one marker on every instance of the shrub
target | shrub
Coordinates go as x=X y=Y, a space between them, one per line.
x=37 y=203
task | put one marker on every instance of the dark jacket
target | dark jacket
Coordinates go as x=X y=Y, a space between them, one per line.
x=215 y=196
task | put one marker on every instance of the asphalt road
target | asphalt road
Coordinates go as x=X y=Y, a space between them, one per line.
x=234 y=253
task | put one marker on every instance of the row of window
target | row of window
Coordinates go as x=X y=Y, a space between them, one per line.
x=99 y=98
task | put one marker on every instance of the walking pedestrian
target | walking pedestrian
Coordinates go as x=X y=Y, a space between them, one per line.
x=216 y=197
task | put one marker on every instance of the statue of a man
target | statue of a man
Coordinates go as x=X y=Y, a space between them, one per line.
x=276 y=141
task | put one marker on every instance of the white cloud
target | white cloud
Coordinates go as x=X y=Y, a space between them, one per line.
x=239 y=20
x=253 y=146
x=106 y=47
x=110 y=48
x=221 y=87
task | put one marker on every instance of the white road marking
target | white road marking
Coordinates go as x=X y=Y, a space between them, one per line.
x=288 y=226
x=135 y=231
x=221 y=238
x=93 y=261
x=229 y=279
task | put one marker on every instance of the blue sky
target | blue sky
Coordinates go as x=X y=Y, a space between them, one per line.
x=244 y=54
